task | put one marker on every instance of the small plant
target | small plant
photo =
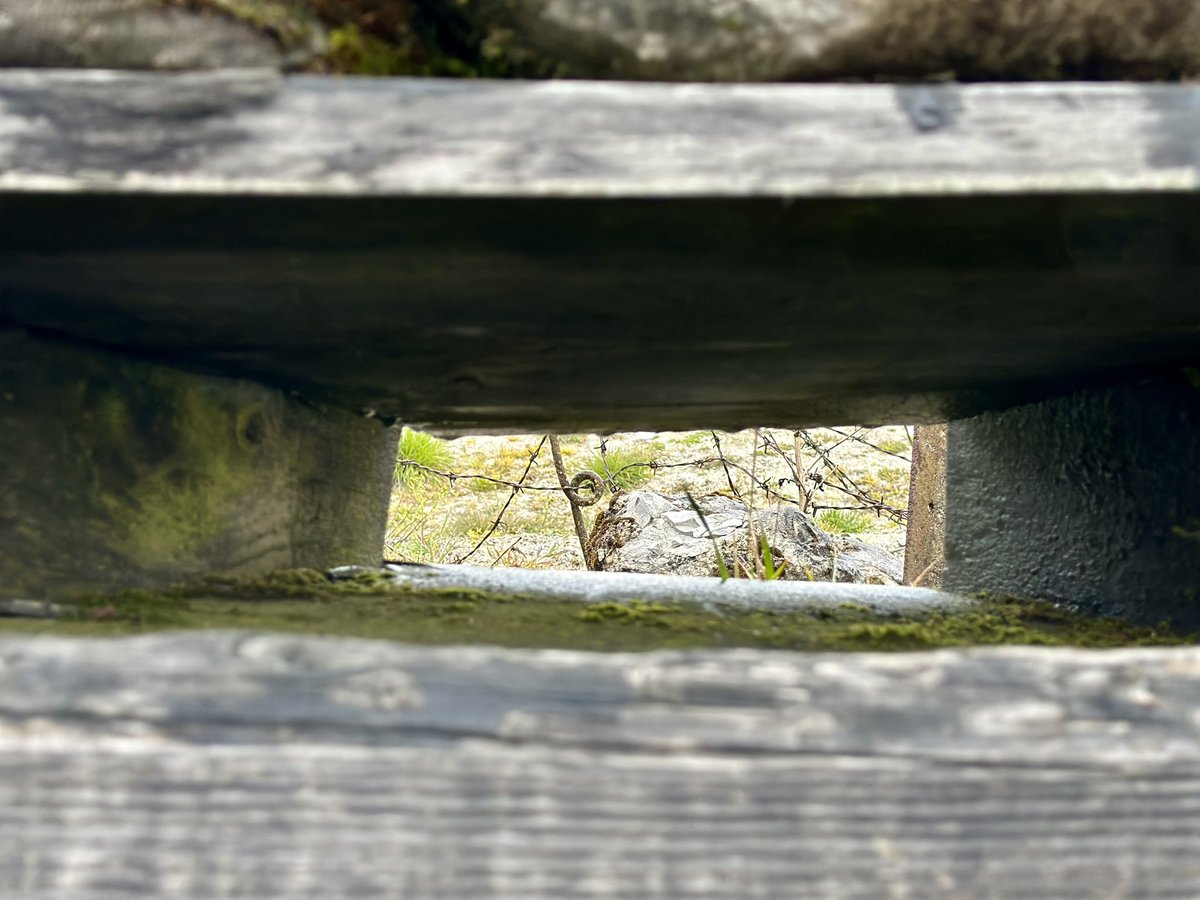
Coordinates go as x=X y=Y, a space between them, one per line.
x=420 y=449
x=770 y=572
x=351 y=50
x=624 y=469
x=763 y=568
x=722 y=568
x=843 y=521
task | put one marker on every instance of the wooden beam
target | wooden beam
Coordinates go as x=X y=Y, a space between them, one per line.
x=252 y=132
x=234 y=764
x=574 y=256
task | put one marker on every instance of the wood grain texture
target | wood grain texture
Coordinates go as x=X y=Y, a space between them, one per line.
x=251 y=132
x=578 y=257
x=242 y=765
x=594 y=315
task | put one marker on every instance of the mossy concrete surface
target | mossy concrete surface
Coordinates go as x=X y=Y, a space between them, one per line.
x=119 y=473
x=371 y=604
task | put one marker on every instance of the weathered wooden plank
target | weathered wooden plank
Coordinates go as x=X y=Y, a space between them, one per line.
x=242 y=765
x=584 y=256
x=576 y=256
x=251 y=132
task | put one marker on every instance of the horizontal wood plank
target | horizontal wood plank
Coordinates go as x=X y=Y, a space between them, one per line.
x=246 y=765
x=575 y=256
x=252 y=132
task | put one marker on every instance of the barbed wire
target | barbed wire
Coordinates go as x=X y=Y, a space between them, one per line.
x=516 y=489
x=610 y=482
x=587 y=487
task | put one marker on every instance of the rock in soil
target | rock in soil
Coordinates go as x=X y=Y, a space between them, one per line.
x=645 y=531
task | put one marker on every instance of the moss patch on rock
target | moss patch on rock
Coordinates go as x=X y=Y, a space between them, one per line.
x=370 y=605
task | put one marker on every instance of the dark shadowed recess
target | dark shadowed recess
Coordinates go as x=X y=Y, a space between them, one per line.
x=585 y=313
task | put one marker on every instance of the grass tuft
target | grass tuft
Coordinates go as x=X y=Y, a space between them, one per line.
x=424 y=450
x=613 y=465
x=844 y=521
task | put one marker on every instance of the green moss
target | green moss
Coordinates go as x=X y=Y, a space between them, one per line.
x=400 y=37
x=184 y=473
x=368 y=605
x=426 y=39
x=353 y=51
x=633 y=612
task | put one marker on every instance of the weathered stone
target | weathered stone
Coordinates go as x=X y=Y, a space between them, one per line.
x=117 y=473
x=748 y=40
x=153 y=34
x=925 y=540
x=644 y=531
x=1091 y=499
x=709 y=40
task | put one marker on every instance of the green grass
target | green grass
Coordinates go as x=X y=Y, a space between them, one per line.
x=422 y=449
x=613 y=464
x=416 y=534
x=896 y=445
x=844 y=521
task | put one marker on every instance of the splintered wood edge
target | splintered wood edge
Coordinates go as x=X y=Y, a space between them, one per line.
x=252 y=132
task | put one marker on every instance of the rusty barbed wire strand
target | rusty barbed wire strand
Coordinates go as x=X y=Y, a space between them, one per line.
x=862 y=440
x=452 y=477
x=721 y=454
x=823 y=474
x=516 y=489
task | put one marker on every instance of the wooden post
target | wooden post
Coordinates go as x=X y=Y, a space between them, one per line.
x=925 y=542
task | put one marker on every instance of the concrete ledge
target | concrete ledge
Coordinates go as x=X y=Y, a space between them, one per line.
x=593 y=587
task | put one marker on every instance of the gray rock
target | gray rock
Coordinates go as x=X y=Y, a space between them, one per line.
x=150 y=34
x=644 y=531
x=748 y=40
